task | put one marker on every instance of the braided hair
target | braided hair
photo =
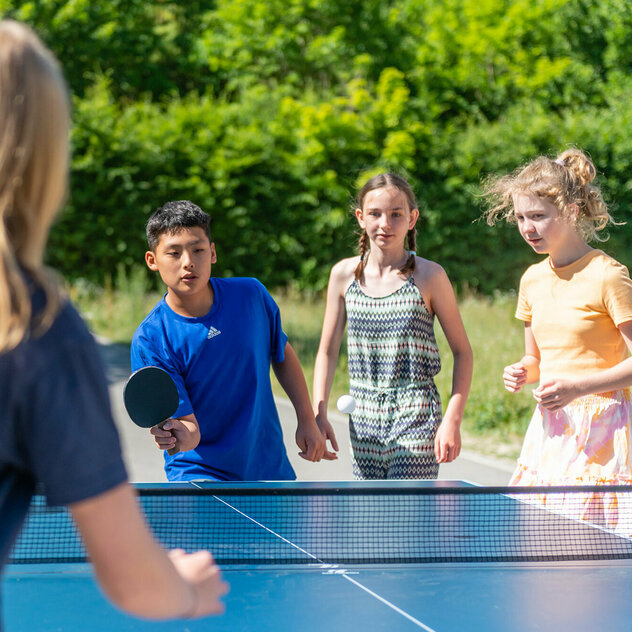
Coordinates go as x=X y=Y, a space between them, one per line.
x=387 y=181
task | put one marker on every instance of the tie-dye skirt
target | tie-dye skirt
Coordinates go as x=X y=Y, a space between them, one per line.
x=588 y=442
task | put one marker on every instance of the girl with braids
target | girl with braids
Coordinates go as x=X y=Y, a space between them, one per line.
x=390 y=296
x=55 y=420
x=577 y=310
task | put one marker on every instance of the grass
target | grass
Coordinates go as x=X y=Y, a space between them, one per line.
x=302 y=321
x=114 y=311
x=495 y=420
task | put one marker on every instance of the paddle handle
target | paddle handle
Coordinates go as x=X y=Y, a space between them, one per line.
x=172 y=451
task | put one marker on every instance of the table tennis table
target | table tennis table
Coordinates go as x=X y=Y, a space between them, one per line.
x=407 y=555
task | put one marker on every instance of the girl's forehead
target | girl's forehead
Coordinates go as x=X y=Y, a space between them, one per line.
x=385 y=196
x=529 y=201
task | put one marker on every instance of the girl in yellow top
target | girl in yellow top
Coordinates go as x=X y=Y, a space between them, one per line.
x=577 y=309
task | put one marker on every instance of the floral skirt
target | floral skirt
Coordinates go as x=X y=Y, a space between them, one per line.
x=588 y=442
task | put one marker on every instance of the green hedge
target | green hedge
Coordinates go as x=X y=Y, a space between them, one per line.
x=269 y=113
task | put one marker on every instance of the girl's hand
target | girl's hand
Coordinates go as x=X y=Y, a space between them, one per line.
x=310 y=440
x=328 y=432
x=313 y=441
x=205 y=579
x=447 y=442
x=555 y=394
x=515 y=377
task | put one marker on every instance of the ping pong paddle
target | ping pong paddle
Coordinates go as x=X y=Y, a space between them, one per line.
x=151 y=397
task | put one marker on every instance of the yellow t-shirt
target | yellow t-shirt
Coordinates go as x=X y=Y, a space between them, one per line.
x=574 y=313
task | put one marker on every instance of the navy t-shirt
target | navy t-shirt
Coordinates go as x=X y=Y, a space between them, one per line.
x=55 y=422
x=221 y=365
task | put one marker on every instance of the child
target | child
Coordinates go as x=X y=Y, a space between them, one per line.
x=577 y=308
x=55 y=418
x=390 y=297
x=217 y=339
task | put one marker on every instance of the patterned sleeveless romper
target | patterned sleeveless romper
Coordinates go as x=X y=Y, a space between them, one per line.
x=393 y=357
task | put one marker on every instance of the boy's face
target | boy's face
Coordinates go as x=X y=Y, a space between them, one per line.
x=183 y=260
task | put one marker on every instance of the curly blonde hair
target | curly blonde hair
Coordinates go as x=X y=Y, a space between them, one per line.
x=566 y=180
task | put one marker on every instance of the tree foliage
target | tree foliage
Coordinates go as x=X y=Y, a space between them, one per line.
x=270 y=113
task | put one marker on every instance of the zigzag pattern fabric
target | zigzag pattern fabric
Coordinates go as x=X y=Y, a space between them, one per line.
x=393 y=357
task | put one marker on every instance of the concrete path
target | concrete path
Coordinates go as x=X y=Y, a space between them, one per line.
x=144 y=461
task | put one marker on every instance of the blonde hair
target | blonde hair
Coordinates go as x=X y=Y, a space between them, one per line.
x=34 y=125
x=565 y=180
x=387 y=181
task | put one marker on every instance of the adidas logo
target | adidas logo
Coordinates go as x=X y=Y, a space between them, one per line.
x=212 y=332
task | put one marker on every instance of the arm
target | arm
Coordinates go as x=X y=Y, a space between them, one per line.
x=308 y=436
x=442 y=300
x=134 y=571
x=334 y=323
x=177 y=435
x=557 y=393
x=527 y=370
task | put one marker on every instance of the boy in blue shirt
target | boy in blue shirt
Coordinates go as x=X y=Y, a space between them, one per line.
x=217 y=338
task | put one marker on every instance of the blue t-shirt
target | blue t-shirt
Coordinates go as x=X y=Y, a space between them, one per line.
x=55 y=422
x=221 y=365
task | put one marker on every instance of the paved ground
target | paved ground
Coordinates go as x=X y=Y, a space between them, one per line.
x=144 y=460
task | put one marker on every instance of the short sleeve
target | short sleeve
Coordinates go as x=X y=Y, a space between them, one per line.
x=617 y=292
x=524 y=308
x=145 y=351
x=278 y=338
x=68 y=435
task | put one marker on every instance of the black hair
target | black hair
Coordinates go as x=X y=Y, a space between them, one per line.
x=173 y=217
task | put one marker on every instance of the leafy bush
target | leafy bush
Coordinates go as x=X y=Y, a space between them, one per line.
x=269 y=114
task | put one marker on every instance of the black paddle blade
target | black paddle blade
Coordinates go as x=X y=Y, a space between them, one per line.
x=150 y=396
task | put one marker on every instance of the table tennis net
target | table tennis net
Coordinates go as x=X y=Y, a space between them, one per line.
x=364 y=525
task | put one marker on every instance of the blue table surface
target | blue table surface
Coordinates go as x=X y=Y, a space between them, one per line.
x=442 y=597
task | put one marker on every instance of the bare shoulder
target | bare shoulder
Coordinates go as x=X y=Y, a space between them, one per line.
x=428 y=273
x=346 y=266
x=343 y=273
x=437 y=291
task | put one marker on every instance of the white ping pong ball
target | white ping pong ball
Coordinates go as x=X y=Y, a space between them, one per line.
x=346 y=404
